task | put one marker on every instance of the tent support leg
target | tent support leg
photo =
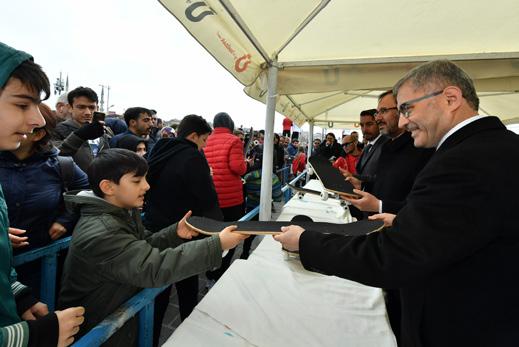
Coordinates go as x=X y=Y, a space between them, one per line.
x=268 y=146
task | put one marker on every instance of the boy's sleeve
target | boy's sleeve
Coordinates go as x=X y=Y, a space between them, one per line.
x=127 y=259
x=43 y=332
x=15 y=335
x=22 y=294
x=164 y=238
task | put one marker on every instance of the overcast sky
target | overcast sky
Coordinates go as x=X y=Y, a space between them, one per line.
x=137 y=48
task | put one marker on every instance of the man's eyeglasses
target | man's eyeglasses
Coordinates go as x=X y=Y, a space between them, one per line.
x=404 y=108
x=384 y=110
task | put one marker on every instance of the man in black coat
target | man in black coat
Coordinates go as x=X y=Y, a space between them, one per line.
x=453 y=249
x=398 y=165
x=180 y=180
x=367 y=164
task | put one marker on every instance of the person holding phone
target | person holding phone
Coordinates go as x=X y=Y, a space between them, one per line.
x=84 y=135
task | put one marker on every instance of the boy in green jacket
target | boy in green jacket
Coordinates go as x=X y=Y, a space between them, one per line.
x=112 y=257
x=23 y=320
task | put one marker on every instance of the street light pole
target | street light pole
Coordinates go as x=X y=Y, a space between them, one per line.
x=102 y=102
x=107 y=99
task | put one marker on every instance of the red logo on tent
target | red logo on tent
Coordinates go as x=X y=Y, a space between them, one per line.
x=242 y=63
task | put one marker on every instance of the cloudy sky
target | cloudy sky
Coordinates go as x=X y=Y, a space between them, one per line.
x=137 y=48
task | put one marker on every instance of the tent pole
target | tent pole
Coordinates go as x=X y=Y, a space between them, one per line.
x=310 y=144
x=268 y=146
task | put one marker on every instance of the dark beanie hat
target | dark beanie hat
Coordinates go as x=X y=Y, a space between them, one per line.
x=10 y=59
x=223 y=120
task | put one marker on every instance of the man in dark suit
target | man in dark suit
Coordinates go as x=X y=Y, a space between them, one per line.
x=453 y=249
x=398 y=165
x=368 y=160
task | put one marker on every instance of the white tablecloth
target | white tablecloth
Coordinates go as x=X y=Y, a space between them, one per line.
x=268 y=300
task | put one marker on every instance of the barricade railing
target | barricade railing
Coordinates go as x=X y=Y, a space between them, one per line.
x=49 y=262
x=287 y=190
x=142 y=303
x=283 y=174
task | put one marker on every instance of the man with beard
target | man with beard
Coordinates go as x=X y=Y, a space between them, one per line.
x=367 y=163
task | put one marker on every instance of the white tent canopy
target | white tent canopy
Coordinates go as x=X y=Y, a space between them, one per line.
x=329 y=51
x=325 y=61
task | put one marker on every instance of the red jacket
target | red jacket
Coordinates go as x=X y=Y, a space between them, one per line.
x=299 y=163
x=224 y=153
x=287 y=123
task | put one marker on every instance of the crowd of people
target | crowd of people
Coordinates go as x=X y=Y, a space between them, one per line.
x=124 y=189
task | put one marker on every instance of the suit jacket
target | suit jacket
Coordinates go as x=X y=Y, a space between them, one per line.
x=453 y=250
x=367 y=168
x=399 y=164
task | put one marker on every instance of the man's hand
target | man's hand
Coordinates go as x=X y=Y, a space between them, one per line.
x=367 y=201
x=57 y=230
x=18 y=241
x=228 y=239
x=387 y=218
x=289 y=237
x=37 y=310
x=345 y=172
x=69 y=321
x=183 y=230
x=91 y=131
x=355 y=182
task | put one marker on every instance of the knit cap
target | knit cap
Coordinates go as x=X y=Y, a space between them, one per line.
x=10 y=59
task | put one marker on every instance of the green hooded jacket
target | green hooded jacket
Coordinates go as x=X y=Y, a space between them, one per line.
x=112 y=257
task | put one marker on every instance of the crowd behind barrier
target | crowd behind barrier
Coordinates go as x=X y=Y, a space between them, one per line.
x=142 y=303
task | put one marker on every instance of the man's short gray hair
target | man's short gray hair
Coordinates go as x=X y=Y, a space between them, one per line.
x=62 y=99
x=440 y=74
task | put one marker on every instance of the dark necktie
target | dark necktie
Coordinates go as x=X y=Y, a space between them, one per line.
x=365 y=154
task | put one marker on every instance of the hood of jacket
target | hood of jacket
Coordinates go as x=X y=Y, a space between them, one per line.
x=87 y=203
x=165 y=149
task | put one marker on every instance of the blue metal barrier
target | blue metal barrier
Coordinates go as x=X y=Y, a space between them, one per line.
x=49 y=261
x=286 y=189
x=142 y=304
x=283 y=174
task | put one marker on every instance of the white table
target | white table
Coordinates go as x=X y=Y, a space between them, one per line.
x=268 y=300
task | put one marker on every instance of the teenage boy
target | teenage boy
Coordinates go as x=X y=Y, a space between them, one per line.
x=112 y=256
x=180 y=181
x=23 y=320
x=139 y=123
x=82 y=136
